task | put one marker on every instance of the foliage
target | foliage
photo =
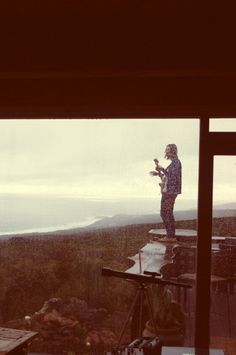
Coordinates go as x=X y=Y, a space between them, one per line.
x=37 y=267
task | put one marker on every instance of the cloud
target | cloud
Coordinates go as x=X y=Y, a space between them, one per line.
x=101 y=157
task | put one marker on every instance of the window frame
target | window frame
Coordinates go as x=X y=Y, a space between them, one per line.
x=211 y=144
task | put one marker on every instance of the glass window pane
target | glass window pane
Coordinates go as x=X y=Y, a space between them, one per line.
x=223 y=125
x=77 y=197
x=223 y=291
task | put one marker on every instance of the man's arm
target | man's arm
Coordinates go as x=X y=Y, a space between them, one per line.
x=159 y=170
x=156 y=173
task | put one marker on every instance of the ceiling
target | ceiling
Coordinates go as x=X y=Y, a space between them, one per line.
x=115 y=58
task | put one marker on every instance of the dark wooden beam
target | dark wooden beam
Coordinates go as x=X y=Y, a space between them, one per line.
x=146 y=94
x=222 y=143
x=202 y=314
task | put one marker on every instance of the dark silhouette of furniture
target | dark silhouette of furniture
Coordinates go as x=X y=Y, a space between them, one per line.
x=14 y=341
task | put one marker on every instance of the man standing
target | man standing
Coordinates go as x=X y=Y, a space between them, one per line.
x=170 y=187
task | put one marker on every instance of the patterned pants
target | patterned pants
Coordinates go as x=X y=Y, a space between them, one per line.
x=167 y=215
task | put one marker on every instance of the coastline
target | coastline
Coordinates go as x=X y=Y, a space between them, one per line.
x=52 y=229
x=113 y=222
x=65 y=215
x=225 y=225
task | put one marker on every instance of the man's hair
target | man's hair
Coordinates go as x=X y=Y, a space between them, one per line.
x=173 y=149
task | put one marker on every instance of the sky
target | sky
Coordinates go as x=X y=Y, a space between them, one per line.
x=104 y=158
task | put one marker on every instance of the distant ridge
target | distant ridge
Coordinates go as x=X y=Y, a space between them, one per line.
x=124 y=219
x=227 y=206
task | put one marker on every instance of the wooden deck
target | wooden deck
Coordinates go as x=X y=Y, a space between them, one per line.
x=154 y=255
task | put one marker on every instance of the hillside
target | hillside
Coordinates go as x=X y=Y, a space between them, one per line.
x=62 y=264
x=35 y=268
x=124 y=219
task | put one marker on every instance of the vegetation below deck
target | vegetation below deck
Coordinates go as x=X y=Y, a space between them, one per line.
x=35 y=268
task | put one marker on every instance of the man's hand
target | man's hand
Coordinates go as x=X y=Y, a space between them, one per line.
x=159 y=168
x=153 y=173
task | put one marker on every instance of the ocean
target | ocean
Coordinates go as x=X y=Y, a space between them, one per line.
x=26 y=214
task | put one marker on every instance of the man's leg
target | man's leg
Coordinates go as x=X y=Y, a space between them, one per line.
x=163 y=210
x=167 y=215
x=171 y=218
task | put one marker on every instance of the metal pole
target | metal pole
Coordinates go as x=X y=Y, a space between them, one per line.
x=140 y=261
x=128 y=317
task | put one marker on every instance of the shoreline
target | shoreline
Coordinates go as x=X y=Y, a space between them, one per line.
x=52 y=229
x=227 y=223
x=116 y=221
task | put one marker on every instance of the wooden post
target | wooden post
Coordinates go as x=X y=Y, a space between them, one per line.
x=205 y=183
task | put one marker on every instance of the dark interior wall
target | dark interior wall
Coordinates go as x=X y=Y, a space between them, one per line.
x=113 y=58
x=112 y=35
x=97 y=35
